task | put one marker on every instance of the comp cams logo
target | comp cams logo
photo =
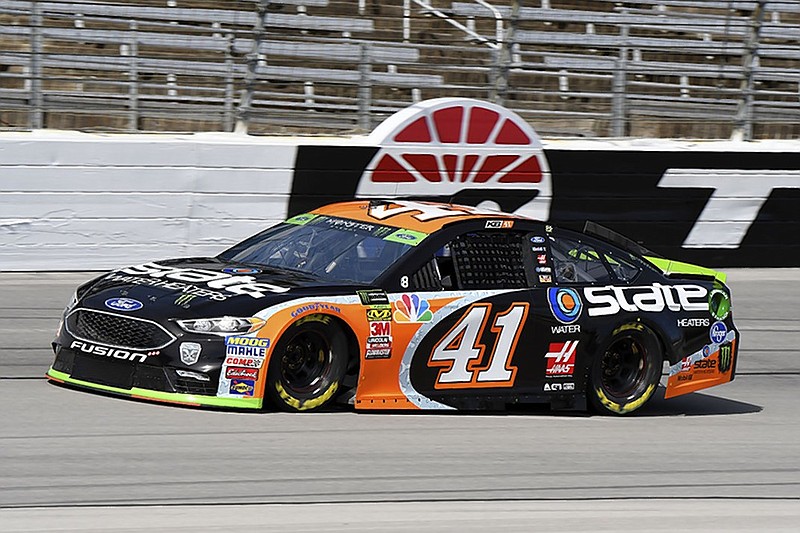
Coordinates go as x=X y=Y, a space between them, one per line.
x=447 y=147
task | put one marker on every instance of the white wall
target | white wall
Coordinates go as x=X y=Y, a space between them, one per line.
x=72 y=201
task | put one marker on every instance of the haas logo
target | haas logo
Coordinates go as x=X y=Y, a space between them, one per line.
x=466 y=150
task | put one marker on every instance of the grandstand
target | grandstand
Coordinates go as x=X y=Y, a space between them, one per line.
x=646 y=68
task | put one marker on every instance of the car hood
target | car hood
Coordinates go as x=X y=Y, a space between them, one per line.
x=198 y=287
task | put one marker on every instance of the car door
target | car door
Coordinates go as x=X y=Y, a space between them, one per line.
x=476 y=351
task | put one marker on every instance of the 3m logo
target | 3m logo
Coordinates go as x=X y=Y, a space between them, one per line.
x=561 y=358
x=440 y=147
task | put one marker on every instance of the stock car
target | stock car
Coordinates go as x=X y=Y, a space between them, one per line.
x=403 y=305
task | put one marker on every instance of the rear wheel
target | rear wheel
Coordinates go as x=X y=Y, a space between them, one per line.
x=626 y=372
x=308 y=364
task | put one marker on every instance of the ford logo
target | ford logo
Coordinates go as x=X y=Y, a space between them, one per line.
x=537 y=240
x=241 y=270
x=124 y=304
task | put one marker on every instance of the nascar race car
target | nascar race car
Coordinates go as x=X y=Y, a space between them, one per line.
x=403 y=305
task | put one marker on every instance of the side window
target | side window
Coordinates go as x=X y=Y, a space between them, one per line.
x=577 y=259
x=479 y=260
x=577 y=262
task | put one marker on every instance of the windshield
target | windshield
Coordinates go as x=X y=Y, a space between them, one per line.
x=328 y=248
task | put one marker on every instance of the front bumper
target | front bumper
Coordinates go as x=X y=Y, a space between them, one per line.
x=158 y=396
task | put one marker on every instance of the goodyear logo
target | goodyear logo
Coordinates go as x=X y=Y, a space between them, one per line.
x=379 y=315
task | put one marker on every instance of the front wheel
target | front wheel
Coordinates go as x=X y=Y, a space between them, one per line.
x=308 y=364
x=626 y=372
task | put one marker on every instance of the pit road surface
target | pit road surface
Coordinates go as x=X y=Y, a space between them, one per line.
x=727 y=458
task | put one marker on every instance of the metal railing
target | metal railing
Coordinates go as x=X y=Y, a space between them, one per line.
x=325 y=66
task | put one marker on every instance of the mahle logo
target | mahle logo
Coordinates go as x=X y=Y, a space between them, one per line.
x=456 y=148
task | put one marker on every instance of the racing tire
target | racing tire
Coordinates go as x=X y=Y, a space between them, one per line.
x=626 y=371
x=307 y=366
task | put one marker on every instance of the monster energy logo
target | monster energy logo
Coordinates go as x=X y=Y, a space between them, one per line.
x=725 y=353
x=184 y=299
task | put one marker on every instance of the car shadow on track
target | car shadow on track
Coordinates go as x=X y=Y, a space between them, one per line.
x=695 y=404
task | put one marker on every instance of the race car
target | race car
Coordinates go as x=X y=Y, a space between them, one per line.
x=404 y=305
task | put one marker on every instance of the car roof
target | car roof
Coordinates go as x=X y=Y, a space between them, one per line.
x=426 y=217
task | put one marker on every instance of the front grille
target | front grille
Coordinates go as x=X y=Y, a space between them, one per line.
x=115 y=330
x=192 y=386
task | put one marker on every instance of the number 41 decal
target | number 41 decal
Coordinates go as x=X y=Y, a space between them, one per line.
x=460 y=353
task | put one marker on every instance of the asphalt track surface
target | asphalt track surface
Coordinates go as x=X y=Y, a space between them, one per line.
x=725 y=459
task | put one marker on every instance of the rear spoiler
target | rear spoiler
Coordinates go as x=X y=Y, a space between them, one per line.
x=593 y=228
x=671 y=269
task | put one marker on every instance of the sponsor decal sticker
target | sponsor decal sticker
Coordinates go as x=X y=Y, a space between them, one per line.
x=380 y=329
x=234 y=284
x=374 y=298
x=538 y=249
x=538 y=239
x=301 y=220
x=406 y=236
x=561 y=358
x=610 y=300
x=316 y=307
x=241 y=372
x=541 y=259
x=565 y=304
x=255 y=362
x=499 y=224
x=544 y=270
x=718 y=332
x=412 y=308
x=242 y=387
x=719 y=304
x=247 y=347
x=379 y=315
x=241 y=270
x=124 y=304
x=184 y=299
x=547 y=278
x=565 y=328
x=693 y=322
x=556 y=387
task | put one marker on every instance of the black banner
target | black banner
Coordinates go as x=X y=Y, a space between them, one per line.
x=710 y=208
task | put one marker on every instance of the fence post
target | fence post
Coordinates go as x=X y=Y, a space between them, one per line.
x=37 y=99
x=364 y=88
x=243 y=111
x=501 y=67
x=227 y=117
x=618 y=103
x=133 y=80
x=743 y=127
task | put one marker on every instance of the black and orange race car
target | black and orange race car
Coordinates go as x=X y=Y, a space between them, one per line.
x=403 y=305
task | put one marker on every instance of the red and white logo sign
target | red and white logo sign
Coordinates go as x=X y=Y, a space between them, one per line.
x=561 y=358
x=440 y=147
x=247 y=362
x=239 y=372
x=377 y=329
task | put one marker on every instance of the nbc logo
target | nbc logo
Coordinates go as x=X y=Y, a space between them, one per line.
x=441 y=147
x=412 y=308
